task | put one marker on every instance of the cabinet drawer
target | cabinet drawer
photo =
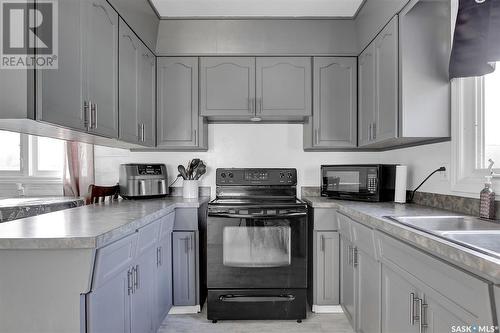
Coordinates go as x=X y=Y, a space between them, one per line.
x=325 y=219
x=465 y=290
x=114 y=259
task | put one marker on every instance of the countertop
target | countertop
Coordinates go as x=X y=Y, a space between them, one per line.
x=91 y=226
x=17 y=208
x=372 y=215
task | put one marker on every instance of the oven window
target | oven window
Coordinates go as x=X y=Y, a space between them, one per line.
x=343 y=181
x=257 y=246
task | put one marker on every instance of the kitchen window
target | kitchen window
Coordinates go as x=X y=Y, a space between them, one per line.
x=475 y=131
x=24 y=158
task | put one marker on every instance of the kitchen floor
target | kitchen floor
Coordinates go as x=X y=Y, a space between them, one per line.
x=314 y=323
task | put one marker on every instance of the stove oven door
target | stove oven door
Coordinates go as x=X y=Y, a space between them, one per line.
x=257 y=252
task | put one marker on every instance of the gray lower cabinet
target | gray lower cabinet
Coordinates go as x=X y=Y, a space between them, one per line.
x=132 y=283
x=163 y=278
x=367 y=292
x=184 y=267
x=227 y=87
x=327 y=268
x=136 y=89
x=179 y=125
x=283 y=87
x=334 y=120
x=347 y=278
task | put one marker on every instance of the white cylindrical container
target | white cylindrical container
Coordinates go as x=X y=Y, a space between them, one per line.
x=401 y=183
x=190 y=189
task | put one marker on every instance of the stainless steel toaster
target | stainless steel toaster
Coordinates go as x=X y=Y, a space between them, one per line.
x=143 y=181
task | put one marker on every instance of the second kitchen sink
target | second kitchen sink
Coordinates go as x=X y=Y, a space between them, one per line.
x=479 y=235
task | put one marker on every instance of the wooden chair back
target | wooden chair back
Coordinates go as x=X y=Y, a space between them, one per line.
x=100 y=193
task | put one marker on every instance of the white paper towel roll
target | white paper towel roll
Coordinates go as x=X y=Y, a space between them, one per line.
x=401 y=183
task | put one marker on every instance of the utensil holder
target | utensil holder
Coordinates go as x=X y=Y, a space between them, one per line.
x=190 y=189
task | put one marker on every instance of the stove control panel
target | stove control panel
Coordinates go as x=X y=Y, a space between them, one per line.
x=256 y=176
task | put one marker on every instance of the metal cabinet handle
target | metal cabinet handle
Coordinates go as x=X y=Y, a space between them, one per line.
x=139 y=132
x=93 y=115
x=196 y=137
x=136 y=277
x=130 y=288
x=374 y=131
x=161 y=255
x=370 y=132
x=157 y=257
x=354 y=256
x=316 y=136
x=412 y=309
x=260 y=105
x=421 y=315
x=322 y=239
x=86 y=114
x=143 y=132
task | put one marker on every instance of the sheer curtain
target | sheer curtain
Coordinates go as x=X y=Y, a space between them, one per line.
x=78 y=169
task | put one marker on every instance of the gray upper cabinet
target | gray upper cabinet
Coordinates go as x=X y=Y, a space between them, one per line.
x=61 y=93
x=179 y=123
x=366 y=96
x=334 y=120
x=102 y=67
x=137 y=70
x=386 y=83
x=283 y=87
x=129 y=60
x=184 y=266
x=378 y=88
x=147 y=96
x=227 y=87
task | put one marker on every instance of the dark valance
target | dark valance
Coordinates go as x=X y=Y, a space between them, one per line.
x=476 y=44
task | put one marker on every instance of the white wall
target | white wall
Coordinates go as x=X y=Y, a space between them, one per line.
x=275 y=145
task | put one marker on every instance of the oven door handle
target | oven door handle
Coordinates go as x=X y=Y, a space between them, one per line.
x=250 y=216
x=256 y=298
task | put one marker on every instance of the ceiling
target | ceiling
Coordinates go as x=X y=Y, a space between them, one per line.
x=256 y=8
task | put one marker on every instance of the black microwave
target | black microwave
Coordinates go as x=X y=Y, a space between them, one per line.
x=361 y=182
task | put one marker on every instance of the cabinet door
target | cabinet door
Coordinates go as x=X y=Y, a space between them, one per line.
x=366 y=95
x=184 y=268
x=327 y=268
x=129 y=59
x=367 y=293
x=142 y=305
x=283 y=86
x=440 y=315
x=102 y=66
x=177 y=102
x=396 y=304
x=108 y=307
x=227 y=86
x=335 y=102
x=61 y=92
x=386 y=83
x=164 y=269
x=147 y=95
x=346 y=279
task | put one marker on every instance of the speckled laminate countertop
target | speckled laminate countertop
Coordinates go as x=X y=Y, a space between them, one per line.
x=372 y=215
x=18 y=208
x=90 y=226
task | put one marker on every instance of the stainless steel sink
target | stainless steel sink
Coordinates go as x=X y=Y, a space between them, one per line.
x=484 y=241
x=479 y=235
x=445 y=223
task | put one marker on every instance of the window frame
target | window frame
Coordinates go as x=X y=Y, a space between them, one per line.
x=468 y=136
x=29 y=173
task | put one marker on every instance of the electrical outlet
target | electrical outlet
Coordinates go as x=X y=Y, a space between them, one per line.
x=445 y=175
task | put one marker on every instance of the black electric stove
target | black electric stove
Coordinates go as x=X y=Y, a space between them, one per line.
x=256 y=246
